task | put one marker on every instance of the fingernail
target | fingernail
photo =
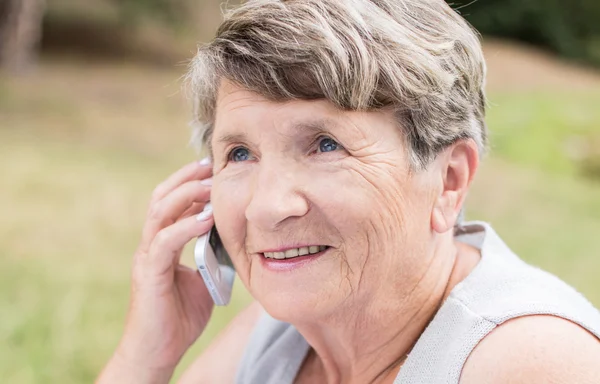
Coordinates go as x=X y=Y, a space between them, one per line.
x=206 y=213
x=204 y=162
x=206 y=181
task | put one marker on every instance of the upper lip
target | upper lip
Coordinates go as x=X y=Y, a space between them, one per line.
x=285 y=248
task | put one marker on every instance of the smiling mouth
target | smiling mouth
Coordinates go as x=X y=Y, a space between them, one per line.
x=295 y=252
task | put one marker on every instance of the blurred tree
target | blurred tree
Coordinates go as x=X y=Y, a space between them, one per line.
x=20 y=32
x=169 y=11
x=568 y=27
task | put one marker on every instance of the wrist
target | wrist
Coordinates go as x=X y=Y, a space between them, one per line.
x=123 y=369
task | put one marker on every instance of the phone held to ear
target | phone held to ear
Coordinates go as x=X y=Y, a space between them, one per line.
x=215 y=266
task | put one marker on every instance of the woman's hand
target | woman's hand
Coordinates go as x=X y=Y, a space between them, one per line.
x=169 y=306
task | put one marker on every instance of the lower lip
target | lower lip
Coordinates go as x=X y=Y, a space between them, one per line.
x=292 y=263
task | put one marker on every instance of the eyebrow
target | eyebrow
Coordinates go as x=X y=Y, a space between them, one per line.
x=232 y=138
x=309 y=127
x=314 y=126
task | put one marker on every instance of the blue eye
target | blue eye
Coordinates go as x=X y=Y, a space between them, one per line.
x=328 y=145
x=239 y=154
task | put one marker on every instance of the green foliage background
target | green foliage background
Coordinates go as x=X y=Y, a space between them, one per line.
x=569 y=27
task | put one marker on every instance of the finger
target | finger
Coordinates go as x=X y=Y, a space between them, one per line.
x=165 y=249
x=195 y=209
x=197 y=170
x=167 y=210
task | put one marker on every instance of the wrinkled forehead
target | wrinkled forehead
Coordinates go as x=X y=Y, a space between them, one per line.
x=239 y=110
x=235 y=102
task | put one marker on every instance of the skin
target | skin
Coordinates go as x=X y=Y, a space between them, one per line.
x=391 y=262
x=535 y=349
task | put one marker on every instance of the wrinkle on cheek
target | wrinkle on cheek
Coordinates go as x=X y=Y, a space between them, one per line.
x=386 y=193
x=368 y=251
x=370 y=261
x=386 y=225
x=345 y=270
x=354 y=277
x=344 y=265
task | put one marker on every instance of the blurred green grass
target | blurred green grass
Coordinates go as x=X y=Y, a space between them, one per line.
x=544 y=129
x=82 y=148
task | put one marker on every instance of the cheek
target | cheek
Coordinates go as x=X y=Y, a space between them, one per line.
x=375 y=198
x=356 y=205
x=377 y=213
x=229 y=200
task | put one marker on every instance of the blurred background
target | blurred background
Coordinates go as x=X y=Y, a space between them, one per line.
x=92 y=118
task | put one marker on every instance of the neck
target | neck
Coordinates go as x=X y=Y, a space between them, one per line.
x=370 y=345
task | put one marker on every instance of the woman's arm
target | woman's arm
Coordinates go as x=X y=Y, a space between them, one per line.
x=220 y=361
x=169 y=305
x=120 y=371
x=535 y=349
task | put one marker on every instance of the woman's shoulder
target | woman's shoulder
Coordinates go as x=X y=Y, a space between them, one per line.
x=542 y=329
x=504 y=313
x=253 y=348
x=273 y=354
x=535 y=349
x=219 y=362
x=504 y=287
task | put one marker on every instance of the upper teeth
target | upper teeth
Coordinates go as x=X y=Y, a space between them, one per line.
x=295 y=252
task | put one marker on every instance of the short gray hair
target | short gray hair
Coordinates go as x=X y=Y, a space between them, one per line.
x=417 y=57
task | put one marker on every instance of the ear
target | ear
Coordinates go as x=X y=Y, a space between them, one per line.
x=457 y=167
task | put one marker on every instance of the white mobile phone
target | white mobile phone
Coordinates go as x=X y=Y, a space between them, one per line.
x=215 y=266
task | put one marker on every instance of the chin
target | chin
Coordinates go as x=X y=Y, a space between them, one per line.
x=303 y=293
x=295 y=307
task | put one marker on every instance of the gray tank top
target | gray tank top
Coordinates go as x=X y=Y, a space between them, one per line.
x=501 y=287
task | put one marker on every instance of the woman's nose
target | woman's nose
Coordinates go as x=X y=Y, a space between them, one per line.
x=276 y=197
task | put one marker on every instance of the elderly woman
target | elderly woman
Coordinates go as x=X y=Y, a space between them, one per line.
x=353 y=127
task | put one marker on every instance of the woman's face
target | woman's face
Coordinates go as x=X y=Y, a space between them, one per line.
x=288 y=176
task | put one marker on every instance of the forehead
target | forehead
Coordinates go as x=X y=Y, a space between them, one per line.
x=236 y=105
x=242 y=113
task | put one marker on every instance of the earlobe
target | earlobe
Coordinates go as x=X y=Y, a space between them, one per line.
x=439 y=223
x=443 y=216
